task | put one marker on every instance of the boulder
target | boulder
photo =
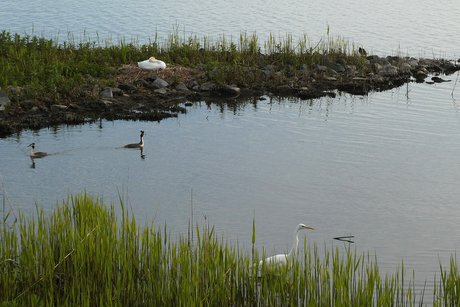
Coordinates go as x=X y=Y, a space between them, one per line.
x=160 y=83
x=107 y=92
x=182 y=87
x=4 y=100
x=127 y=87
x=388 y=70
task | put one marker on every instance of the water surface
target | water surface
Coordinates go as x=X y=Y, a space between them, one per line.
x=411 y=28
x=383 y=168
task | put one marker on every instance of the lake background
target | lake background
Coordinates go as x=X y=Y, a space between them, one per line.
x=384 y=168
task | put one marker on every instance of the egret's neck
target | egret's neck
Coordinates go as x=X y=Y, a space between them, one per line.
x=293 y=248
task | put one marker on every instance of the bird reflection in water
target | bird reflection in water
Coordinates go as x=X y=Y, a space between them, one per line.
x=142 y=152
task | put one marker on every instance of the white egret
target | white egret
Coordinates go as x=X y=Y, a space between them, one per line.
x=36 y=154
x=152 y=64
x=283 y=259
x=137 y=145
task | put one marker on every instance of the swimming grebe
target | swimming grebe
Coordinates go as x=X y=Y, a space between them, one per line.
x=36 y=154
x=137 y=145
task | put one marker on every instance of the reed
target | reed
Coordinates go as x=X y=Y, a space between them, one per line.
x=81 y=254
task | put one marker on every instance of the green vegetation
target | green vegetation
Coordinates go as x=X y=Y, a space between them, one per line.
x=82 y=255
x=49 y=71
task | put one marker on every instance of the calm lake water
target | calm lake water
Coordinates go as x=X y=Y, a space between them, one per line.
x=384 y=27
x=384 y=168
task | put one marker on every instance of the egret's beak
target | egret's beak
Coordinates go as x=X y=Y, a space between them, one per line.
x=309 y=227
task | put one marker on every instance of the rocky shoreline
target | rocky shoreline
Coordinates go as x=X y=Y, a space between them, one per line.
x=141 y=94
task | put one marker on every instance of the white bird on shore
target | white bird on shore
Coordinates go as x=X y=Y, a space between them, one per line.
x=152 y=64
x=283 y=259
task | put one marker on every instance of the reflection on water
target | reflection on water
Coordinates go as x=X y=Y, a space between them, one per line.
x=382 y=168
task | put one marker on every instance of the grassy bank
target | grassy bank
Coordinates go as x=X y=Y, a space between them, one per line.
x=82 y=254
x=49 y=71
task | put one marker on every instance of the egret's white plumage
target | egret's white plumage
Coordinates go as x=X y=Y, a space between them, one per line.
x=137 y=145
x=152 y=64
x=283 y=259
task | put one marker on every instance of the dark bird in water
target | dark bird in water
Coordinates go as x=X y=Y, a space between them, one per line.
x=137 y=145
x=36 y=154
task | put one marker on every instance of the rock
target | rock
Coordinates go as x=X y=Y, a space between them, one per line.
x=107 y=92
x=406 y=67
x=207 y=87
x=116 y=91
x=267 y=71
x=388 y=70
x=320 y=68
x=233 y=89
x=376 y=67
x=151 y=78
x=161 y=91
x=438 y=80
x=58 y=107
x=351 y=69
x=4 y=100
x=105 y=103
x=160 y=83
x=182 y=87
x=127 y=87
x=142 y=82
x=336 y=67
x=283 y=89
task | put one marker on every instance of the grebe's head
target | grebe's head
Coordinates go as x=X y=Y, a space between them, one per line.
x=32 y=145
x=152 y=59
x=142 y=133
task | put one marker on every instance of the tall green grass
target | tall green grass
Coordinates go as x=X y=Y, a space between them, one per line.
x=83 y=254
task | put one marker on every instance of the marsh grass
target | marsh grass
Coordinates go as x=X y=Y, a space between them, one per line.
x=48 y=70
x=81 y=254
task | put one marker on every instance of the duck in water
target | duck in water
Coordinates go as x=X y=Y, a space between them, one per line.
x=137 y=145
x=36 y=154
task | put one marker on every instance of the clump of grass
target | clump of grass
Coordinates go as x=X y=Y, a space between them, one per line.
x=82 y=255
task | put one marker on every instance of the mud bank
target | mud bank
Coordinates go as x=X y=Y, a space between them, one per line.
x=152 y=96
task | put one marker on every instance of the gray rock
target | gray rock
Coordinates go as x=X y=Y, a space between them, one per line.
x=406 y=67
x=107 y=92
x=116 y=91
x=161 y=91
x=376 y=67
x=160 y=83
x=182 y=87
x=58 y=107
x=336 y=67
x=388 y=70
x=127 y=87
x=233 y=89
x=320 y=68
x=283 y=88
x=267 y=71
x=4 y=100
x=207 y=87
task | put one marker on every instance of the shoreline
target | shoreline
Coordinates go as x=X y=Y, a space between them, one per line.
x=140 y=94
